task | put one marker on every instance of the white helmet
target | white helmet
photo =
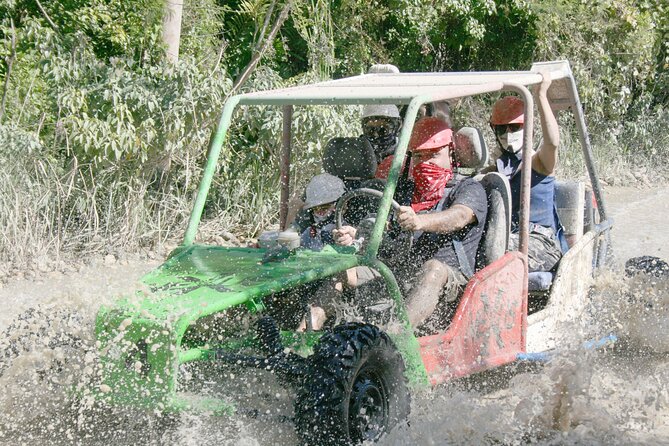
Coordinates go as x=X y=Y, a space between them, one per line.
x=380 y=111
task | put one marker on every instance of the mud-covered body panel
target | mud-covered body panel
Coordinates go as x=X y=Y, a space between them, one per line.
x=141 y=336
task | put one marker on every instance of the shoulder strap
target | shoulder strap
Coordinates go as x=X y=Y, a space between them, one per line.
x=463 y=261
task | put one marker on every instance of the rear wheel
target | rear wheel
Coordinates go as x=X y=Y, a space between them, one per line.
x=355 y=389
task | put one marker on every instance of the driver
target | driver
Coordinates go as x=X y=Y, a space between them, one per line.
x=447 y=214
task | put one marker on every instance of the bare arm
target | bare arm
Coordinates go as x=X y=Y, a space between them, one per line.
x=450 y=220
x=546 y=158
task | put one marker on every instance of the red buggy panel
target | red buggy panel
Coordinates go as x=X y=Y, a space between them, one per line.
x=488 y=328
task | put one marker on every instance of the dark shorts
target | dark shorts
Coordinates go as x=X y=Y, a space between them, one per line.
x=408 y=275
x=543 y=252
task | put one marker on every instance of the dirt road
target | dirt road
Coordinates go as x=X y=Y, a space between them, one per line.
x=640 y=220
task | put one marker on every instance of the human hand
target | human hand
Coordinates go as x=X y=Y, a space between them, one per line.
x=542 y=88
x=344 y=236
x=408 y=219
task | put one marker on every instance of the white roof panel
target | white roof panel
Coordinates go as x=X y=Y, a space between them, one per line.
x=396 y=88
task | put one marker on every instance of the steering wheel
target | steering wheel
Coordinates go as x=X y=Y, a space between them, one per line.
x=406 y=241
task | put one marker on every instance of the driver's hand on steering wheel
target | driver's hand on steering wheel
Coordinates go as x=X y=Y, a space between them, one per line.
x=344 y=236
x=408 y=219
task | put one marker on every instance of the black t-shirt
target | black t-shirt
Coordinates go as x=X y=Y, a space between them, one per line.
x=428 y=245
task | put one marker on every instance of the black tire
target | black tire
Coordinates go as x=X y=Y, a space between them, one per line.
x=355 y=389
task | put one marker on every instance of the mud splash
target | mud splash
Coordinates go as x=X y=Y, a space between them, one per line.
x=617 y=395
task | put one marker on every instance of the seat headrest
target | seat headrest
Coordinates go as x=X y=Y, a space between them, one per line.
x=349 y=158
x=470 y=148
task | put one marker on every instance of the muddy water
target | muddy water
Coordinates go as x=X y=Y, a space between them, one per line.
x=613 y=396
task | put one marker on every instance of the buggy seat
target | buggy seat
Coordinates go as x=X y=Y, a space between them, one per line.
x=472 y=153
x=350 y=158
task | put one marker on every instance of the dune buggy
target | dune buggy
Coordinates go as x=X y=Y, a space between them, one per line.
x=351 y=381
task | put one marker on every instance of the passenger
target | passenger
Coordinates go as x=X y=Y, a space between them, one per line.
x=446 y=214
x=507 y=121
x=380 y=126
x=322 y=194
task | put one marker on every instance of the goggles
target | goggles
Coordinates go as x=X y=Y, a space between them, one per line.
x=378 y=129
x=323 y=208
x=501 y=129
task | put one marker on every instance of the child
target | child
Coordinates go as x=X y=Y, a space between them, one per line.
x=322 y=194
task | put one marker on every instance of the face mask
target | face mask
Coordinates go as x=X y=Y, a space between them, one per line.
x=320 y=218
x=383 y=145
x=430 y=181
x=511 y=141
x=383 y=138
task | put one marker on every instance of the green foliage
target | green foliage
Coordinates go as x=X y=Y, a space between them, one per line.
x=115 y=28
x=245 y=25
x=611 y=46
x=104 y=142
x=201 y=32
x=434 y=36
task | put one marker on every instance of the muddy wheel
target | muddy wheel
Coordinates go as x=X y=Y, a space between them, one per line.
x=355 y=390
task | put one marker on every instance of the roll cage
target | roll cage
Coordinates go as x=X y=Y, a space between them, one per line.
x=413 y=90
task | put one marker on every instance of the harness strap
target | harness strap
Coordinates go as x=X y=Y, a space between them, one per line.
x=465 y=266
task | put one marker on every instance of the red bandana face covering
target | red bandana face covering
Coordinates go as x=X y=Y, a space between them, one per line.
x=430 y=181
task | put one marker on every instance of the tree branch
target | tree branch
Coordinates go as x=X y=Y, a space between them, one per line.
x=46 y=16
x=258 y=54
x=265 y=25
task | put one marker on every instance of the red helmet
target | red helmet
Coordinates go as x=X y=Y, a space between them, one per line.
x=508 y=110
x=430 y=133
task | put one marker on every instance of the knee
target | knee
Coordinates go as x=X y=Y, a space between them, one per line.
x=436 y=271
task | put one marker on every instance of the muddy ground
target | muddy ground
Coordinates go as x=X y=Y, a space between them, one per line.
x=616 y=396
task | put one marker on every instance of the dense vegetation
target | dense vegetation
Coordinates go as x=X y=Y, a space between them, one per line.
x=103 y=140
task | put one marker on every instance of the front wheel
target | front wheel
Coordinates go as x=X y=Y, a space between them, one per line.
x=355 y=389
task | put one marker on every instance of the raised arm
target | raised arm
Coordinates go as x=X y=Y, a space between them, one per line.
x=546 y=158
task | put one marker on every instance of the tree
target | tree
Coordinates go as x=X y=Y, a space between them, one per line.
x=172 y=28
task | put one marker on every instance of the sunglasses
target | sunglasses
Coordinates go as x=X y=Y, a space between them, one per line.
x=323 y=208
x=501 y=129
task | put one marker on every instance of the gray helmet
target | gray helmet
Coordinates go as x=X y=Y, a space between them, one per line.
x=381 y=111
x=323 y=189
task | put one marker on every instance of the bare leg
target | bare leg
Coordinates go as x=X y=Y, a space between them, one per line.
x=424 y=296
x=316 y=319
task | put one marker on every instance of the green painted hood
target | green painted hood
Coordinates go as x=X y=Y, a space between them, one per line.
x=203 y=280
